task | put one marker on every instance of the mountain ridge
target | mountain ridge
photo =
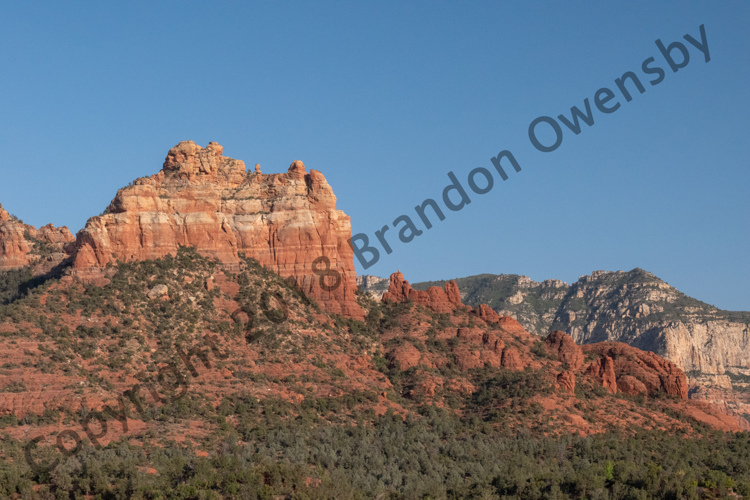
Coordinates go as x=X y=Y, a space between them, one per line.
x=210 y=310
x=711 y=345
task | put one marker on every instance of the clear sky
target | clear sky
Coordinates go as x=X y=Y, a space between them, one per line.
x=386 y=98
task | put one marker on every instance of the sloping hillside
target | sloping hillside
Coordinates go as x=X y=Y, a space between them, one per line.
x=635 y=307
x=210 y=361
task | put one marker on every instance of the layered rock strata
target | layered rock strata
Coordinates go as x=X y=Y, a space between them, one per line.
x=22 y=244
x=288 y=222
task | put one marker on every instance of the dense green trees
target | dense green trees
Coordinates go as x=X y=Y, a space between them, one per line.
x=278 y=453
x=320 y=447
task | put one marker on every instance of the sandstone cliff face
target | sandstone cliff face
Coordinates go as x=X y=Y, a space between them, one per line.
x=22 y=245
x=617 y=366
x=562 y=346
x=634 y=371
x=206 y=200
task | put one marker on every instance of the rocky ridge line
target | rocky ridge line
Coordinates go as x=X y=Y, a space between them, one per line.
x=617 y=366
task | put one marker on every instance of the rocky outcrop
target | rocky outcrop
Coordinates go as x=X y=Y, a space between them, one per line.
x=618 y=367
x=604 y=370
x=434 y=298
x=511 y=359
x=14 y=249
x=22 y=245
x=405 y=356
x=486 y=313
x=631 y=385
x=565 y=349
x=567 y=381
x=200 y=198
x=617 y=360
x=476 y=347
x=634 y=307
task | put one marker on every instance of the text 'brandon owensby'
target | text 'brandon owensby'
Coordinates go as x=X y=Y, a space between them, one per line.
x=545 y=134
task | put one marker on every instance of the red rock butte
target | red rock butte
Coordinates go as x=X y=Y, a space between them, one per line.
x=17 y=243
x=208 y=201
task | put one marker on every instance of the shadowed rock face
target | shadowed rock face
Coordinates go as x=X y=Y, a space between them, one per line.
x=208 y=201
x=564 y=347
x=18 y=247
x=620 y=366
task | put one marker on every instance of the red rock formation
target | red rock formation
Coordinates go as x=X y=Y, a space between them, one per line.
x=398 y=289
x=17 y=245
x=487 y=313
x=511 y=359
x=604 y=370
x=512 y=326
x=473 y=335
x=467 y=359
x=14 y=249
x=567 y=381
x=434 y=298
x=653 y=371
x=59 y=237
x=631 y=385
x=493 y=342
x=208 y=201
x=454 y=296
x=405 y=356
x=562 y=346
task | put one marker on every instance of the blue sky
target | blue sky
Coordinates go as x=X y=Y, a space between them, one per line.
x=386 y=98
